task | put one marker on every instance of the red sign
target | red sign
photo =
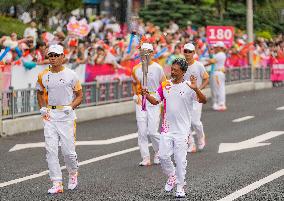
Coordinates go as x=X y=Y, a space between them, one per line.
x=220 y=33
x=277 y=71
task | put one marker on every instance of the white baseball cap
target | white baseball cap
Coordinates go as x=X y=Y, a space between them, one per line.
x=58 y=49
x=219 y=44
x=189 y=46
x=147 y=46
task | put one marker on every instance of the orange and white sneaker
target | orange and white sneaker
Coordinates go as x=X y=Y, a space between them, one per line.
x=171 y=183
x=145 y=162
x=73 y=181
x=56 y=188
x=222 y=108
x=201 y=143
x=180 y=193
x=191 y=148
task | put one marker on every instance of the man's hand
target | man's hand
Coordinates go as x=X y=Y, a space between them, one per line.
x=193 y=82
x=144 y=92
x=44 y=113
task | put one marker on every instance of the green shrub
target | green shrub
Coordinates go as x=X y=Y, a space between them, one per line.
x=9 y=25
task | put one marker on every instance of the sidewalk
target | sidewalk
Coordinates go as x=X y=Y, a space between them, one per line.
x=34 y=122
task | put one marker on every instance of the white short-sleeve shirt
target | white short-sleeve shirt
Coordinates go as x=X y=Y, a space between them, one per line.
x=178 y=102
x=198 y=70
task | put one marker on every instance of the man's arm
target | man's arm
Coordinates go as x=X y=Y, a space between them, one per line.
x=78 y=99
x=200 y=96
x=40 y=99
x=210 y=61
x=205 y=80
x=150 y=98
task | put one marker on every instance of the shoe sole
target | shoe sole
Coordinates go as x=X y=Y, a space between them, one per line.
x=55 y=193
x=145 y=165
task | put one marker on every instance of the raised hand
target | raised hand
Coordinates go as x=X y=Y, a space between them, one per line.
x=193 y=82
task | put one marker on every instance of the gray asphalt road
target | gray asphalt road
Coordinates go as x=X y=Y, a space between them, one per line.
x=210 y=175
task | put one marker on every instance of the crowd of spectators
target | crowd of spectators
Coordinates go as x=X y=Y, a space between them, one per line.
x=109 y=43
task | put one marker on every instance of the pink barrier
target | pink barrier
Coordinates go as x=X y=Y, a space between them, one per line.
x=277 y=70
x=5 y=70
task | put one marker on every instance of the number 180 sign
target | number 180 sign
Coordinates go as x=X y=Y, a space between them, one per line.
x=220 y=33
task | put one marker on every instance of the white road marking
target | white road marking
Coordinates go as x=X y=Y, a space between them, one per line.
x=242 y=119
x=251 y=143
x=280 y=108
x=18 y=147
x=92 y=160
x=253 y=186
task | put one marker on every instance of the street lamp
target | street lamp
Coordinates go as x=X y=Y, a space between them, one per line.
x=250 y=35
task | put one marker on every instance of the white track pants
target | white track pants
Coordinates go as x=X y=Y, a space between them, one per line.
x=196 y=124
x=174 y=144
x=217 y=84
x=63 y=132
x=148 y=124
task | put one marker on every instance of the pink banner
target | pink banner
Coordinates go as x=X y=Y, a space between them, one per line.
x=220 y=33
x=103 y=71
x=277 y=70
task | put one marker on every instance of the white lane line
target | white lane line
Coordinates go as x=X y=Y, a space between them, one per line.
x=92 y=160
x=253 y=186
x=18 y=147
x=280 y=108
x=242 y=119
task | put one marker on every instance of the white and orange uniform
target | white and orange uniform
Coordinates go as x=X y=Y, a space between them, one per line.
x=148 y=121
x=217 y=80
x=178 y=102
x=198 y=70
x=60 y=126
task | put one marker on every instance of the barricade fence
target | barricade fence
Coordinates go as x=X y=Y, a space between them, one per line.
x=23 y=102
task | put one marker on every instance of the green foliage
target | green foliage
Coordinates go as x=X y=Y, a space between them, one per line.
x=9 y=25
x=160 y=12
x=206 y=12
x=264 y=34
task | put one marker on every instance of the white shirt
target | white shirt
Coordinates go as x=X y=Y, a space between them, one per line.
x=178 y=102
x=220 y=61
x=198 y=70
x=60 y=89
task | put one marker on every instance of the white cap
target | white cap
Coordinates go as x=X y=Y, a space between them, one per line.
x=147 y=46
x=219 y=44
x=58 y=49
x=189 y=46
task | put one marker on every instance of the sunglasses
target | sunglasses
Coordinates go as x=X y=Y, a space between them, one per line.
x=54 y=55
x=187 y=51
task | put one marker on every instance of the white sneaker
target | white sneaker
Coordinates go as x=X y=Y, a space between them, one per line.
x=73 y=181
x=222 y=108
x=215 y=106
x=156 y=159
x=180 y=192
x=191 y=148
x=56 y=188
x=171 y=182
x=201 y=143
x=145 y=162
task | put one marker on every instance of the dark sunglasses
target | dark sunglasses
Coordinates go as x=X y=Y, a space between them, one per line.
x=187 y=51
x=54 y=55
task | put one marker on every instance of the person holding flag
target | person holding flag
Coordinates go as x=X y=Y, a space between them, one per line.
x=147 y=120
